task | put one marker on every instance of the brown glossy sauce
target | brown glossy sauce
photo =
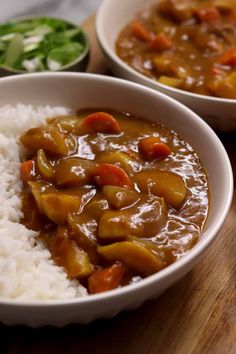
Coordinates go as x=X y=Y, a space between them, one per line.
x=165 y=229
x=194 y=60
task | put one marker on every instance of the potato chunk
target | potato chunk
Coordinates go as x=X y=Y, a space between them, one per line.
x=135 y=255
x=66 y=123
x=224 y=87
x=84 y=234
x=37 y=188
x=44 y=166
x=224 y=5
x=119 y=197
x=56 y=206
x=162 y=65
x=180 y=10
x=66 y=253
x=73 y=171
x=96 y=208
x=171 y=81
x=50 y=139
x=120 y=159
x=145 y=219
x=164 y=184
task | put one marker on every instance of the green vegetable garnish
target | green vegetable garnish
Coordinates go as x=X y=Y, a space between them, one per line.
x=66 y=53
x=40 y=44
x=14 y=50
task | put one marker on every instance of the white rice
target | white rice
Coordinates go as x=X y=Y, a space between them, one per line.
x=27 y=271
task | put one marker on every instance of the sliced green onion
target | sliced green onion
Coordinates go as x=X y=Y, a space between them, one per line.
x=30 y=47
x=34 y=64
x=53 y=65
x=40 y=30
x=32 y=43
x=72 y=32
x=40 y=43
x=14 y=50
x=2 y=46
x=7 y=37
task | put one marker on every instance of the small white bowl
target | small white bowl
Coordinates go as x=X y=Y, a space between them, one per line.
x=95 y=91
x=111 y=18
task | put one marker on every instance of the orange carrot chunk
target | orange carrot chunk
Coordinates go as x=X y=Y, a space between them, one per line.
x=152 y=148
x=161 y=42
x=27 y=170
x=139 y=31
x=99 y=122
x=106 y=279
x=208 y=14
x=108 y=174
x=228 y=57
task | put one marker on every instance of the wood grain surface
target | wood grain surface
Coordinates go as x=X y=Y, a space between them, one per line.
x=195 y=316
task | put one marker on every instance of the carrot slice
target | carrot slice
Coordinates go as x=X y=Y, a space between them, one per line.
x=152 y=148
x=27 y=170
x=99 y=122
x=106 y=279
x=208 y=14
x=228 y=57
x=139 y=31
x=161 y=42
x=108 y=174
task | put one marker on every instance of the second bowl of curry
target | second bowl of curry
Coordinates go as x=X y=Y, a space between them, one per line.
x=187 y=50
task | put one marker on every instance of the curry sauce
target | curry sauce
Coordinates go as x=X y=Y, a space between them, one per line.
x=114 y=197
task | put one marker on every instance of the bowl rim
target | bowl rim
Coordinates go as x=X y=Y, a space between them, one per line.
x=78 y=60
x=175 y=267
x=102 y=40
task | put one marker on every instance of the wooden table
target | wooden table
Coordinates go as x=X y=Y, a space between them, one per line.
x=195 y=316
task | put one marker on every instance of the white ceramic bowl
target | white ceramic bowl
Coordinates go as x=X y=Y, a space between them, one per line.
x=94 y=91
x=220 y=113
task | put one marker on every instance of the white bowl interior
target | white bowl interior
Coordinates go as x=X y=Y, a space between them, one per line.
x=94 y=91
x=125 y=11
x=218 y=112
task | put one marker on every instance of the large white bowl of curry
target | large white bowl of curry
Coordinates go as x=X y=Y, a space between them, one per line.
x=177 y=125
x=184 y=49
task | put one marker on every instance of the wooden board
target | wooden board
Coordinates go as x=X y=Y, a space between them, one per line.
x=195 y=316
x=97 y=63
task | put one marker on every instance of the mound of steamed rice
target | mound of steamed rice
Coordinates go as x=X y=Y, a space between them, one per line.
x=27 y=271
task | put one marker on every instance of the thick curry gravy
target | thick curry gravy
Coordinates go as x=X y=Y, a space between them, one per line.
x=190 y=45
x=115 y=198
